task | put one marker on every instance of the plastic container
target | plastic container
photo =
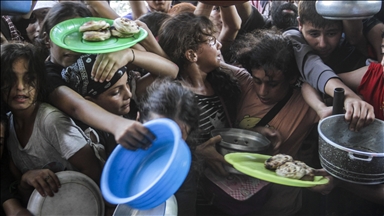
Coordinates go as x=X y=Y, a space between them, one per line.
x=144 y=179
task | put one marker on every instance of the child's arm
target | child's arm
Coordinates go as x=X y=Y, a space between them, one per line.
x=353 y=79
x=101 y=8
x=231 y=26
x=314 y=100
x=130 y=134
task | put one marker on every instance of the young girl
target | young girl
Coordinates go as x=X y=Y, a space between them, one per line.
x=39 y=134
x=130 y=134
x=169 y=99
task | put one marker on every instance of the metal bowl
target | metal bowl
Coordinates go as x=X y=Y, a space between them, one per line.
x=356 y=157
x=343 y=10
x=240 y=140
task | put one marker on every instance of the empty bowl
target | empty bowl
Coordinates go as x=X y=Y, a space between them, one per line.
x=144 y=179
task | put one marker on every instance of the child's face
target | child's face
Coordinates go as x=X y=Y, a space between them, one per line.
x=62 y=56
x=269 y=88
x=209 y=55
x=36 y=21
x=117 y=98
x=22 y=94
x=322 y=40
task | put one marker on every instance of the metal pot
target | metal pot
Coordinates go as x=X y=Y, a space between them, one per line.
x=240 y=140
x=342 y=10
x=167 y=208
x=356 y=157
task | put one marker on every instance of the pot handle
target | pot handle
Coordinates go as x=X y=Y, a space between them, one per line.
x=353 y=157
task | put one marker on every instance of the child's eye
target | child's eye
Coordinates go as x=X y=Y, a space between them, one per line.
x=314 y=35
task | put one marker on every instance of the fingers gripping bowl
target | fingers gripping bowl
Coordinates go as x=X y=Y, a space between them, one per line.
x=144 y=179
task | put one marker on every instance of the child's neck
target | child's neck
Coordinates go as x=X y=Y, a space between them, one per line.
x=23 y=123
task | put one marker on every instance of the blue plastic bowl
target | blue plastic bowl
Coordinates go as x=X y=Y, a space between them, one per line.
x=144 y=179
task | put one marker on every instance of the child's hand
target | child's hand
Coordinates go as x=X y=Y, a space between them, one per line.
x=134 y=136
x=213 y=158
x=107 y=64
x=326 y=188
x=43 y=180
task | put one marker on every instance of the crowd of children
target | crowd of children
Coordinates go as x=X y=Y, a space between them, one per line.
x=206 y=65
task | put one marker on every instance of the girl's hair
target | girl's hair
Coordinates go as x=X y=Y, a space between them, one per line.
x=270 y=51
x=10 y=52
x=169 y=98
x=154 y=20
x=59 y=13
x=187 y=31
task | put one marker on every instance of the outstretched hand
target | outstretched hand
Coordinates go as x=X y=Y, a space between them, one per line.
x=134 y=136
x=43 y=180
x=358 y=113
x=213 y=158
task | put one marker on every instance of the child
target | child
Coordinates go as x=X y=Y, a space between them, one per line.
x=321 y=53
x=169 y=99
x=38 y=132
x=126 y=132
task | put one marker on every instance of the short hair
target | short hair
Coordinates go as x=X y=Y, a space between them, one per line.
x=154 y=20
x=308 y=14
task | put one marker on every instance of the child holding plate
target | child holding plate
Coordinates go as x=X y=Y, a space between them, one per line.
x=130 y=134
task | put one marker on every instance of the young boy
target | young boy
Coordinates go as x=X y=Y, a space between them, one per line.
x=321 y=53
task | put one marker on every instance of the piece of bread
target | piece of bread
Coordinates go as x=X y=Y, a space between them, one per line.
x=126 y=26
x=309 y=172
x=94 y=26
x=97 y=35
x=275 y=161
x=290 y=170
x=116 y=33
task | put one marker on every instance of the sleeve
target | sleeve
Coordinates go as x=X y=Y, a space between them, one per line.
x=255 y=21
x=54 y=78
x=311 y=67
x=64 y=134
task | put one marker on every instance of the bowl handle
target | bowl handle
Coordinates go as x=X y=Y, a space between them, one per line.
x=353 y=157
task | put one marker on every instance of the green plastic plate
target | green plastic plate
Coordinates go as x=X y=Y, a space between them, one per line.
x=253 y=165
x=66 y=35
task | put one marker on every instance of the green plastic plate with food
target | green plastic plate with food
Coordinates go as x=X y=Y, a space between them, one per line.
x=67 y=35
x=253 y=165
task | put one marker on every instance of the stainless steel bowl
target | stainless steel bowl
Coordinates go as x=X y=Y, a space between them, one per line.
x=343 y=10
x=240 y=140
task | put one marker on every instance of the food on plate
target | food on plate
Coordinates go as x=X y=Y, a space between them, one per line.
x=94 y=25
x=275 y=161
x=123 y=27
x=97 y=35
x=290 y=170
x=95 y=30
x=285 y=166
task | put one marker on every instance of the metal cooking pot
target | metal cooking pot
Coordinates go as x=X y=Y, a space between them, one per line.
x=343 y=10
x=240 y=140
x=356 y=157
x=167 y=208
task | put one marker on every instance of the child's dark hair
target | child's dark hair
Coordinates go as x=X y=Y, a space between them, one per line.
x=169 y=98
x=187 y=31
x=59 y=13
x=308 y=14
x=10 y=52
x=272 y=51
x=154 y=20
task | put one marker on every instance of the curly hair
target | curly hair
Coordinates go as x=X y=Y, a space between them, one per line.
x=270 y=51
x=187 y=31
x=10 y=52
